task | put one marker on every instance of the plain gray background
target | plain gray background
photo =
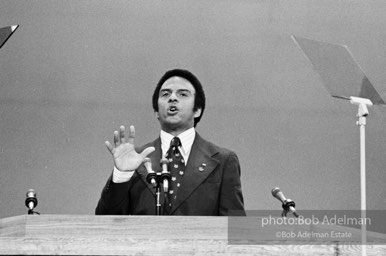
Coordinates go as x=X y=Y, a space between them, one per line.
x=76 y=70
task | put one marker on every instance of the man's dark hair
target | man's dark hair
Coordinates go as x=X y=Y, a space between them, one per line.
x=199 y=99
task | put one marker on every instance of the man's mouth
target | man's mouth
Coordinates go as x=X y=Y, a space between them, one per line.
x=172 y=110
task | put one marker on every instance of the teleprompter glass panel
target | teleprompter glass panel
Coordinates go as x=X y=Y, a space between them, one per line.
x=5 y=33
x=339 y=71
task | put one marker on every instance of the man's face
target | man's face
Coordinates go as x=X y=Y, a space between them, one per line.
x=175 y=105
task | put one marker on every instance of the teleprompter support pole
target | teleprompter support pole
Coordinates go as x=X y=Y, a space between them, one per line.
x=363 y=112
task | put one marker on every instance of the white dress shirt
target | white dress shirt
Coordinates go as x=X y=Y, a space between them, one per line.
x=186 y=138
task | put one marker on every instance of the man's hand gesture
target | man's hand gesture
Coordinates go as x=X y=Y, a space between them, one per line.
x=124 y=154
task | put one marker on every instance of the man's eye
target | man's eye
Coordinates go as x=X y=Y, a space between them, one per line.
x=183 y=94
x=165 y=94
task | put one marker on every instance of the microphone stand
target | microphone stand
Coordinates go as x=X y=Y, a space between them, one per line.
x=156 y=179
x=287 y=205
x=32 y=212
x=153 y=178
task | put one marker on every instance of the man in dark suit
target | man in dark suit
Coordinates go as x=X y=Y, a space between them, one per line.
x=205 y=178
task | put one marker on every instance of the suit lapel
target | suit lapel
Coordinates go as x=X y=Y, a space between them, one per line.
x=200 y=165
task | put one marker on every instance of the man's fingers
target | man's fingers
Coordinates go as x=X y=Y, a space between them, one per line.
x=120 y=137
x=109 y=146
x=147 y=151
x=116 y=138
x=131 y=134
x=122 y=134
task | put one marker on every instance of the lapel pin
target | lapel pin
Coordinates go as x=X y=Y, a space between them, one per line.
x=201 y=168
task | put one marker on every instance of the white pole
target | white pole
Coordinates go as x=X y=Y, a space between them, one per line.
x=362 y=123
x=362 y=113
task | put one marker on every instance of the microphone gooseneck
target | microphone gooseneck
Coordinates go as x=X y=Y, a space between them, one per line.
x=151 y=175
x=165 y=174
x=287 y=204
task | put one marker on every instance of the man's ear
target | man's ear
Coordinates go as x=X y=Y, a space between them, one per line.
x=156 y=115
x=197 y=113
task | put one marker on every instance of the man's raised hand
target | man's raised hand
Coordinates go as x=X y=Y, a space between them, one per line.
x=123 y=152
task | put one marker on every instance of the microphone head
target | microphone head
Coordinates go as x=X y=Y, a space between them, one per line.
x=31 y=193
x=164 y=161
x=275 y=191
x=147 y=164
x=164 y=164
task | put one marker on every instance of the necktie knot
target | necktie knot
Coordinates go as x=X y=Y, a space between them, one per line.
x=175 y=142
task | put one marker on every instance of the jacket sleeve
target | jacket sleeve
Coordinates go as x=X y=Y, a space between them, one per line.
x=114 y=199
x=231 y=196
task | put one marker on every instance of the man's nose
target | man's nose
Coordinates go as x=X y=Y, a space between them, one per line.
x=173 y=97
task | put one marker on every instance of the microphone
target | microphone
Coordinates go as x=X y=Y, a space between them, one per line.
x=288 y=204
x=151 y=175
x=31 y=201
x=165 y=175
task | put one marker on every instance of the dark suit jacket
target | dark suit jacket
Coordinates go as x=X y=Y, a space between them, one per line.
x=210 y=186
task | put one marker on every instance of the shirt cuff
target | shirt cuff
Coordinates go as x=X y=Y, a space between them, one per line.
x=120 y=177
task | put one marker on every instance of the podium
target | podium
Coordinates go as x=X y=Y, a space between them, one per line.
x=142 y=235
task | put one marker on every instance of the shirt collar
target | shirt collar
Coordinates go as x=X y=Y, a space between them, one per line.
x=186 y=138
